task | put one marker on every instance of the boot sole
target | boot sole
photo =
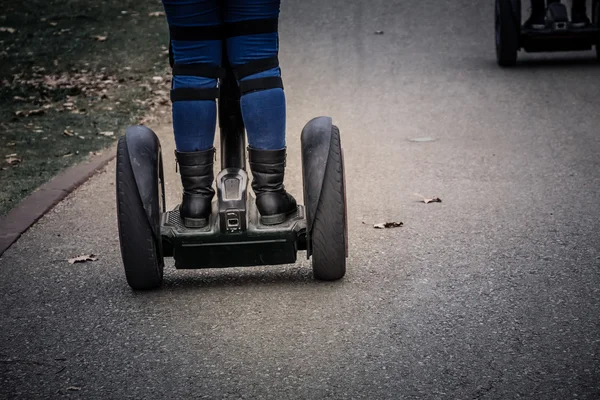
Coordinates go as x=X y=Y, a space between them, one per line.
x=578 y=25
x=277 y=218
x=195 y=222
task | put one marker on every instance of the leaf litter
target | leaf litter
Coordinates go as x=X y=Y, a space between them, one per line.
x=428 y=200
x=13 y=159
x=387 y=225
x=82 y=259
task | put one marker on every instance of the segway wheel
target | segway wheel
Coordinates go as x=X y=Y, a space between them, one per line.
x=508 y=30
x=596 y=19
x=330 y=234
x=141 y=253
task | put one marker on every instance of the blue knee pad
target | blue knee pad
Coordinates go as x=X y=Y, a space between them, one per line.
x=264 y=113
x=252 y=48
x=196 y=48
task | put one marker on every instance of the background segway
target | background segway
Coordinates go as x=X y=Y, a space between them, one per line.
x=508 y=30
x=140 y=251
x=596 y=20
x=329 y=230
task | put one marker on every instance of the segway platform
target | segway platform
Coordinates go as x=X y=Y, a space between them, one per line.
x=552 y=39
x=223 y=243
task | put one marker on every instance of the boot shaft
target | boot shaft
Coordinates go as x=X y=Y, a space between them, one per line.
x=268 y=169
x=196 y=170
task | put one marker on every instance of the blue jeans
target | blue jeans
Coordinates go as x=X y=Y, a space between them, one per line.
x=263 y=112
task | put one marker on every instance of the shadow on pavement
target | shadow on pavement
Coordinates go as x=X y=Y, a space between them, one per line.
x=558 y=62
x=238 y=277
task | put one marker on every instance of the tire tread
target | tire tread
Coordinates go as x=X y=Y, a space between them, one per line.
x=329 y=225
x=141 y=259
x=506 y=52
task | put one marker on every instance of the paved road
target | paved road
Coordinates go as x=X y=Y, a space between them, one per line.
x=492 y=294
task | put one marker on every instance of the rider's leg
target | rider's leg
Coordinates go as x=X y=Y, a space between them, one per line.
x=252 y=46
x=579 y=18
x=537 y=19
x=196 y=43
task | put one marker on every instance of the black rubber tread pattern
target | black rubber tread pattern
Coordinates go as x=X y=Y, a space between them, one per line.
x=596 y=19
x=510 y=29
x=329 y=227
x=142 y=260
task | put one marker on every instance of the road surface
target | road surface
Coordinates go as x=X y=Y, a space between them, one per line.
x=492 y=294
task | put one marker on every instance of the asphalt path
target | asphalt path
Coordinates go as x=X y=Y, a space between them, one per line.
x=494 y=293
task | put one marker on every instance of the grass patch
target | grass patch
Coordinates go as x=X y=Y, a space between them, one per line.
x=69 y=71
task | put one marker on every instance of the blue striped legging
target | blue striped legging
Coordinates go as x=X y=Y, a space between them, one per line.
x=263 y=112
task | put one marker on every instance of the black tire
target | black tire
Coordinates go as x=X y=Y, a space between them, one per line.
x=329 y=233
x=508 y=30
x=141 y=252
x=596 y=19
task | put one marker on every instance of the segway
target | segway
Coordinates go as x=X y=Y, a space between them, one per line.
x=234 y=236
x=558 y=34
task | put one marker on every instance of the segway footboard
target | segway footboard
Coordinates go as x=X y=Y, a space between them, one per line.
x=234 y=236
x=553 y=40
x=210 y=247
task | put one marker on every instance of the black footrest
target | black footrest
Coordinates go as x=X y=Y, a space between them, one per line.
x=550 y=40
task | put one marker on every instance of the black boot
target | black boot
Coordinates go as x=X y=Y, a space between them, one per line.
x=537 y=19
x=579 y=18
x=273 y=202
x=197 y=176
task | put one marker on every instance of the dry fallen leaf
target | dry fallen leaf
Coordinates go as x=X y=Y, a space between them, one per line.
x=156 y=14
x=108 y=134
x=157 y=79
x=52 y=23
x=74 y=388
x=385 y=225
x=68 y=132
x=100 y=38
x=432 y=200
x=429 y=200
x=82 y=259
x=19 y=98
x=7 y=29
x=21 y=113
x=59 y=33
x=12 y=159
x=38 y=111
